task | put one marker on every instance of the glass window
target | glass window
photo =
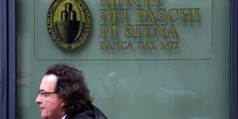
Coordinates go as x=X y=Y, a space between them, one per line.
x=148 y=59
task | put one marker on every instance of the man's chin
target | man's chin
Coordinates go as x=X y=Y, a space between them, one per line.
x=44 y=116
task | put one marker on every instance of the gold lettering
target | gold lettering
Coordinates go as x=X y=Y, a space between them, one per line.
x=169 y=45
x=126 y=2
x=137 y=29
x=115 y=45
x=114 y=16
x=160 y=30
x=102 y=31
x=197 y=14
x=104 y=3
x=125 y=16
x=102 y=17
x=119 y=45
x=137 y=2
x=104 y=45
x=145 y=15
x=172 y=32
x=109 y=16
x=147 y=31
x=173 y=14
x=147 y=45
x=147 y=3
x=141 y=14
x=113 y=31
x=158 y=2
x=108 y=31
x=130 y=45
x=115 y=3
x=187 y=15
x=151 y=16
x=129 y=31
x=163 y=15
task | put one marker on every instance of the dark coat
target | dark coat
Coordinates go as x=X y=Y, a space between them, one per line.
x=91 y=112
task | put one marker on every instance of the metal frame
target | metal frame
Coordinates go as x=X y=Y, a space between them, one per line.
x=234 y=38
x=3 y=60
x=8 y=60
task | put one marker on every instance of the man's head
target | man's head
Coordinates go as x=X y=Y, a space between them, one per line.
x=62 y=91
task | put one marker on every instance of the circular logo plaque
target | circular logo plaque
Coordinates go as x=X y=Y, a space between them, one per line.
x=68 y=23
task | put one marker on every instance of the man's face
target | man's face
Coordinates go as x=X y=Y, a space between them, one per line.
x=51 y=105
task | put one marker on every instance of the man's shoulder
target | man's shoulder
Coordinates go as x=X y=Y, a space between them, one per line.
x=92 y=113
x=99 y=114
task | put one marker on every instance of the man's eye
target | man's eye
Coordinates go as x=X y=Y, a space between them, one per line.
x=45 y=94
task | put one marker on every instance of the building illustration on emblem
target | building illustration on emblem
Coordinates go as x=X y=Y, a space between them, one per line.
x=69 y=23
x=68 y=27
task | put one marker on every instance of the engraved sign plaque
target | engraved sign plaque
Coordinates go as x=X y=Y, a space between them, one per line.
x=153 y=30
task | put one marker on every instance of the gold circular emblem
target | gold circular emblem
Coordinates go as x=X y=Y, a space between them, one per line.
x=68 y=23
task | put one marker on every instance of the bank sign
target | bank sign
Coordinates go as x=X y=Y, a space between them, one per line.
x=128 y=29
x=143 y=24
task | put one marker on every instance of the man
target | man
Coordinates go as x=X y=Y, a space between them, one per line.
x=63 y=94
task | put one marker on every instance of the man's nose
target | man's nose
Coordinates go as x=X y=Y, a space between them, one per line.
x=38 y=99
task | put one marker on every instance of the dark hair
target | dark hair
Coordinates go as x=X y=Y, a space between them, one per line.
x=70 y=87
